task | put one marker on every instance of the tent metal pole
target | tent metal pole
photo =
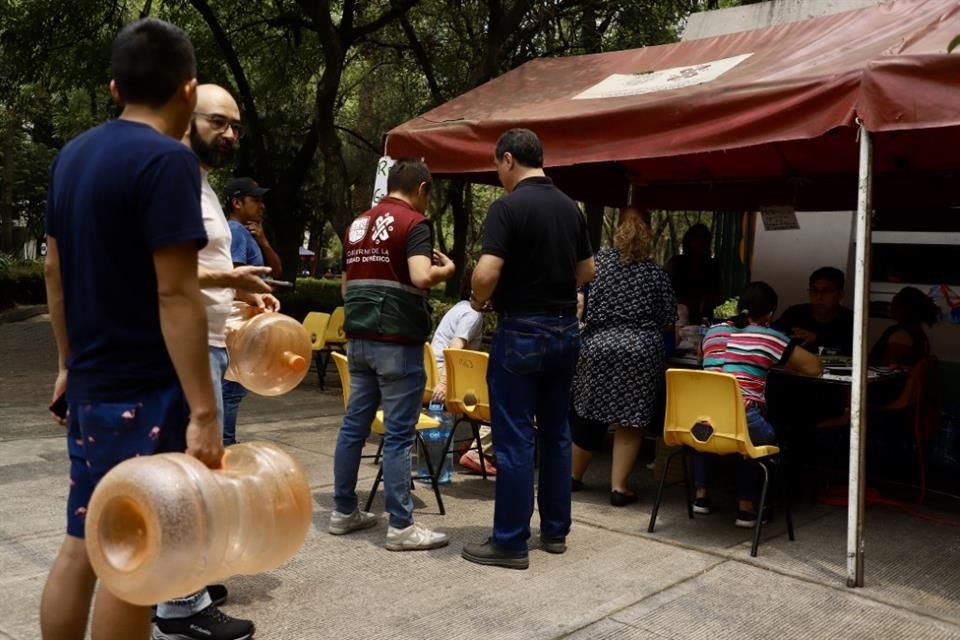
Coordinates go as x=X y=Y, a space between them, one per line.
x=858 y=396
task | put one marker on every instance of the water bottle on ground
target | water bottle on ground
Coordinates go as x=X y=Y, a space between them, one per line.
x=435 y=441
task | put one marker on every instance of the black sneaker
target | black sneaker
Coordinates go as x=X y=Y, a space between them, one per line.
x=748 y=519
x=488 y=554
x=218 y=594
x=209 y=624
x=701 y=506
x=618 y=499
x=576 y=485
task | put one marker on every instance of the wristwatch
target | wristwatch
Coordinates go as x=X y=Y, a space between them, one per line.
x=476 y=304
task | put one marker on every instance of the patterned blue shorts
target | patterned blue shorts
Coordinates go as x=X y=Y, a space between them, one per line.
x=102 y=435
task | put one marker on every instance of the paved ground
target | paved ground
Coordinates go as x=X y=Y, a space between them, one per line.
x=688 y=580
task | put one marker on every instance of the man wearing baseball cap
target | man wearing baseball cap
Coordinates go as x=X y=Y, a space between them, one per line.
x=244 y=205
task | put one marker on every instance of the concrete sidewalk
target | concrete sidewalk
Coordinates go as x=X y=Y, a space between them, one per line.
x=688 y=580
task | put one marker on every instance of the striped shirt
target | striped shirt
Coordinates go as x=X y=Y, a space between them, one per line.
x=748 y=354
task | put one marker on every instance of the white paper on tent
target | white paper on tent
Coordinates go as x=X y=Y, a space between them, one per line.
x=619 y=85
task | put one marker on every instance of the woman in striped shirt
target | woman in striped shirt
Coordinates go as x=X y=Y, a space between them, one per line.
x=748 y=348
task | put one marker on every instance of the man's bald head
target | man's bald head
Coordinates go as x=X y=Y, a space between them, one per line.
x=215 y=127
x=212 y=98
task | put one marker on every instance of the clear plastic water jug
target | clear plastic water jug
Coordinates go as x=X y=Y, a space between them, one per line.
x=160 y=527
x=269 y=353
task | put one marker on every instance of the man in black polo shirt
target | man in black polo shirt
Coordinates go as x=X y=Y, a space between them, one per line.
x=536 y=251
x=824 y=322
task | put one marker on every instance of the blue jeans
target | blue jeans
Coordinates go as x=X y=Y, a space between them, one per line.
x=761 y=433
x=233 y=393
x=393 y=374
x=218 y=366
x=532 y=362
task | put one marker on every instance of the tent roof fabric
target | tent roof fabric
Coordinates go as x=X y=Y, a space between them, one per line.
x=776 y=105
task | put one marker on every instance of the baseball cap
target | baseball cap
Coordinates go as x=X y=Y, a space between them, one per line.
x=240 y=187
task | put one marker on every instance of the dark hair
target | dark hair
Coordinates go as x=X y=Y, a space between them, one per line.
x=757 y=300
x=831 y=274
x=917 y=307
x=150 y=60
x=697 y=229
x=466 y=286
x=523 y=145
x=406 y=175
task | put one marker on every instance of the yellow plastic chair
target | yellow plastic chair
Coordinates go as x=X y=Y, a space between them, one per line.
x=424 y=422
x=336 y=337
x=467 y=394
x=705 y=413
x=334 y=340
x=433 y=374
x=316 y=325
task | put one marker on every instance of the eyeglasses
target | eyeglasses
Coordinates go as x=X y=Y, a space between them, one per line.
x=220 y=123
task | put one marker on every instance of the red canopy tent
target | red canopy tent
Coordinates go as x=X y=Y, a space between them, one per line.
x=786 y=115
x=749 y=119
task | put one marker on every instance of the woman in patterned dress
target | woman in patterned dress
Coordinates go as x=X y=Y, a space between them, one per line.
x=622 y=358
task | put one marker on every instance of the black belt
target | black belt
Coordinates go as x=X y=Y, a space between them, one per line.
x=569 y=312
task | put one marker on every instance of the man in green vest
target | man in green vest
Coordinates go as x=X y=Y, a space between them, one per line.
x=390 y=266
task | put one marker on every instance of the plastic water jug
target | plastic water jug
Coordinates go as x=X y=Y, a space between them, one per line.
x=435 y=440
x=160 y=527
x=269 y=352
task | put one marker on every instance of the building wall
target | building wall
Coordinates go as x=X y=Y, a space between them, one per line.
x=707 y=24
x=786 y=258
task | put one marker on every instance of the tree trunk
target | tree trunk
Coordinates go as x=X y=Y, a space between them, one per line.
x=592 y=40
x=674 y=240
x=460 y=210
x=289 y=236
x=6 y=201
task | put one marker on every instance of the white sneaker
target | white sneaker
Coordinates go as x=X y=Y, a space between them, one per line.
x=341 y=523
x=416 y=537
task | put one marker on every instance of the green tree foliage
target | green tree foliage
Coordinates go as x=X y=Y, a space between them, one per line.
x=318 y=81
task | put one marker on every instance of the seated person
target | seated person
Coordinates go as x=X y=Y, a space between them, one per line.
x=462 y=328
x=824 y=322
x=905 y=343
x=748 y=348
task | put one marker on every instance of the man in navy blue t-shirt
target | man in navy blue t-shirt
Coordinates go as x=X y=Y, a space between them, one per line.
x=124 y=228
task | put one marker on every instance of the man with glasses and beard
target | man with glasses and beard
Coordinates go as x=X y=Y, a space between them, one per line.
x=214 y=131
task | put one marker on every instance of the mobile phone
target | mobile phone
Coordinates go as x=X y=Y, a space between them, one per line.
x=278 y=283
x=59 y=407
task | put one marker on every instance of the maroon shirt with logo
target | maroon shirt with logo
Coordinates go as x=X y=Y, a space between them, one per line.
x=380 y=293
